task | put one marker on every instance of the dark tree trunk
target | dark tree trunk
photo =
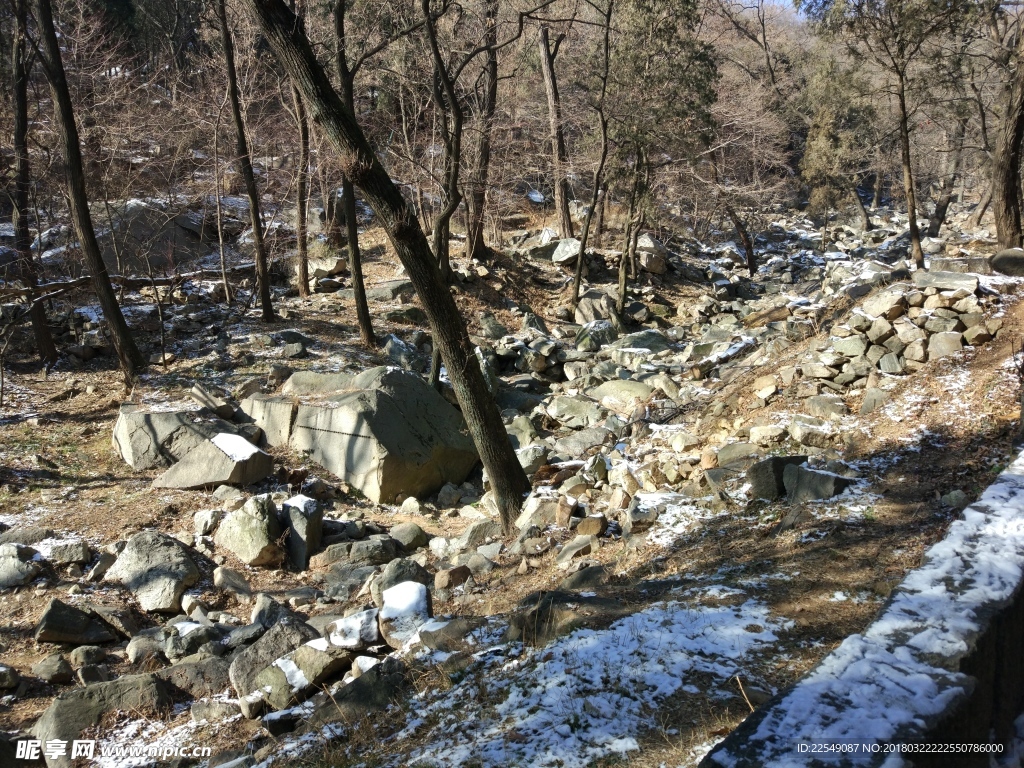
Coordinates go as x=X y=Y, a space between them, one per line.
x=124 y=345
x=20 y=69
x=745 y=239
x=559 y=154
x=245 y=165
x=947 y=182
x=355 y=258
x=1006 y=176
x=908 y=174
x=862 y=212
x=363 y=167
x=476 y=200
x=302 y=194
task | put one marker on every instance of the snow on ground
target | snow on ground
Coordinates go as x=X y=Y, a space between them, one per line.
x=588 y=695
x=680 y=514
x=883 y=685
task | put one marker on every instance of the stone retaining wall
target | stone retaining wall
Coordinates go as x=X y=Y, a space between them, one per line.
x=943 y=663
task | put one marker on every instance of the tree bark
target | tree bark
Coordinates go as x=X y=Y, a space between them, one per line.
x=947 y=183
x=124 y=345
x=20 y=70
x=301 y=194
x=559 y=154
x=476 y=200
x=355 y=258
x=744 y=235
x=862 y=212
x=363 y=167
x=1006 y=175
x=908 y=173
x=245 y=165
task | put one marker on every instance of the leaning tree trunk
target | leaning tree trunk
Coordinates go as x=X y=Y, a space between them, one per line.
x=1006 y=176
x=245 y=165
x=559 y=154
x=124 y=345
x=908 y=175
x=862 y=211
x=364 y=168
x=301 y=195
x=22 y=180
x=744 y=235
x=476 y=200
x=355 y=258
x=947 y=183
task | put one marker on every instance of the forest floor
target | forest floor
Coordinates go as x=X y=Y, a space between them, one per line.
x=721 y=614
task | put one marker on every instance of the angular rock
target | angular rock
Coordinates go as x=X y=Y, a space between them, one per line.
x=207 y=399
x=406 y=607
x=397 y=572
x=157 y=568
x=53 y=669
x=803 y=484
x=274 y=415
x=621 y=396
x=304 y=518
x=579 y=546
x=293 y=677
x=566 y=251
x=594 y=335
x=356 y=632
x=943 y=344
x=251 y=533
x=70 y=552
x=15 y=571
x=766 y=477
x=946 y=281
x=282 y=638
x=224 y=459
x=74 y=711
x=409 y=536
x=393 y=434
x=147 y=440
x=597 y=305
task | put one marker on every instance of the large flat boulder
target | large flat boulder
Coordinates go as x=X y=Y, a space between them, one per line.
x=389 y=434
x=147 y=439
x=75 y=710
x=157 y=568
x=273 y=415
x=224 y=459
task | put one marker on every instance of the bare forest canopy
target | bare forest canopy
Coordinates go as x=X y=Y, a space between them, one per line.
x=147 y=138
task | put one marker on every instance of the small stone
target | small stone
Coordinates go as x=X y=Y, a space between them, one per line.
x=53 y=669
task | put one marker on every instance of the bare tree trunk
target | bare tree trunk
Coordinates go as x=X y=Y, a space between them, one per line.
x=245 y=166
x=363 y=167
x=301 y=194
x=220 y=208
x=355 y=258
x=979 y=212
x=476 y=200
x=627 y=242
x=596 y=196
x=124 y=345
x=21 y=67
x=947 y=183
x=599 y=223
x=559 y=154
x=908 y=173
x=1006 y=176
x=748 y=242
x=862 y=212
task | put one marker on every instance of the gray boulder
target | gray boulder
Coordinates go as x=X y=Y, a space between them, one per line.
x=597 y=305
x=158 y=439
x=594 y=335
x=16 y=565
x=282 y=638
x=251 y=533
x=766 y=477
x=803 y=484
x=224 y=459
x=1009 y=262
x=305 y=521
x=66 y=624
x=392 y=434
x=274 y=415
x=397 y=571
x=157 y=568
x=74 y=711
